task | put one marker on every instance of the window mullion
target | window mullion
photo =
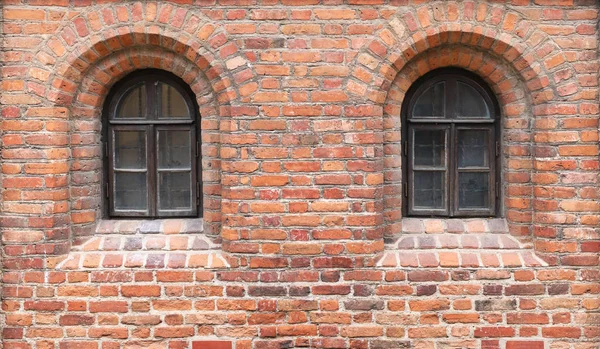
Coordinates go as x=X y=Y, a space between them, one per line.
x=450 y=113
x=452 y=172
x=493 y=158
x=152 y=97
x=410 y=169
x=152 y=176
x=195 y=182
x=451 y=99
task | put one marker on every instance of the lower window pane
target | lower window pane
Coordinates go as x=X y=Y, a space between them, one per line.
x=473 y=190
x=429 y=190
x=131 y=192
x=430 y=147
x=174 y=149
x=130 y=149
x=175 y=191
x=473 y=148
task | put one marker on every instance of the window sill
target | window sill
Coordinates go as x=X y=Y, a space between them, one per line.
x=166 y=226
x=453 y=243
x=150 y=244
x=413 y=225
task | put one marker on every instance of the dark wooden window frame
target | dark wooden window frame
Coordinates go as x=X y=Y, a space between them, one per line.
x=151 y=125
x=452 y=123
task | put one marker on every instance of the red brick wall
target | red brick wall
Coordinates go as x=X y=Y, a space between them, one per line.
x=303 y=243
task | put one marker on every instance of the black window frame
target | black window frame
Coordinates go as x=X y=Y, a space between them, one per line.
x=152 y=124
x=452 y=122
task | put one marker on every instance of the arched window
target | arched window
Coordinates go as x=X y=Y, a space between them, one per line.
x=450 y=149
x=151 y=148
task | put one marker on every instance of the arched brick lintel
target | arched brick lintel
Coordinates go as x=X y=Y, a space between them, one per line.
x=86 y=123
x=377 y=65
x=121 y=39
x=542 y=68
x=516 y=123
x=70 y=72
x=88 y=37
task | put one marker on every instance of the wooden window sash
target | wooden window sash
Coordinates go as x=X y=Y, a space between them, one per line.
x=151 y=124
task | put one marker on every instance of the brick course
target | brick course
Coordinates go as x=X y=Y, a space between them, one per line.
x=302 y=241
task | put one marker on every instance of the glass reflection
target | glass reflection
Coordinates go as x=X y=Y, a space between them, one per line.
x=130 y=149
x=431 y=102
x=473 y=148
x=429 y=189
x=133 y=104
x=173 y=104
x=174 y=149
x=430 y=148
x=174 y=191
x=473 y=190
x=130 y=191
x=470 y=102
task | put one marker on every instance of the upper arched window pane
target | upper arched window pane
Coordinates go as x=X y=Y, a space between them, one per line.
x=152 y=98
x=173 y=104
x=431 y=101
x=450 y=96
x=471 y=102
x=133 y=103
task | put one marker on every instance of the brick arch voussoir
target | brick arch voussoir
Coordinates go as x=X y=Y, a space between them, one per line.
x=72 y=71
x=86 y=39
x=496 y=20
x=515 y=54
x=531 y=52
x=100 y=77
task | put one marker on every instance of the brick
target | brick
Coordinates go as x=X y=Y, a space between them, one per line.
x=212 y=345
x=494 y=332
x=361 y=331
x=76 y=320
x=561 y=332
x=24 y=14
x=512 y=344
x=140 y=291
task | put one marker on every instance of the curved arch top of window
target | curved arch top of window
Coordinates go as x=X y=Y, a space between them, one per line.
x=450 y=94
x=152 y=156
x=451 y=156
x=152 y=97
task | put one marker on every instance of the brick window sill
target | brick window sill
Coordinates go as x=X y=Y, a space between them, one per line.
x=453 y=243
x=151 y=226
x=454 y=225
x=147 y=244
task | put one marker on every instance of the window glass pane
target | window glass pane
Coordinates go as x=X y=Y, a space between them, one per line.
x=175 y=190
x=174 y=149
x=473 y=190
x=172 y=103
x=131 y=192
x=430 y=102
x=130 y=149
x=430 y=148
x=470 y=102
x=473 y=148
x=133 y=103
x=429 y=189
